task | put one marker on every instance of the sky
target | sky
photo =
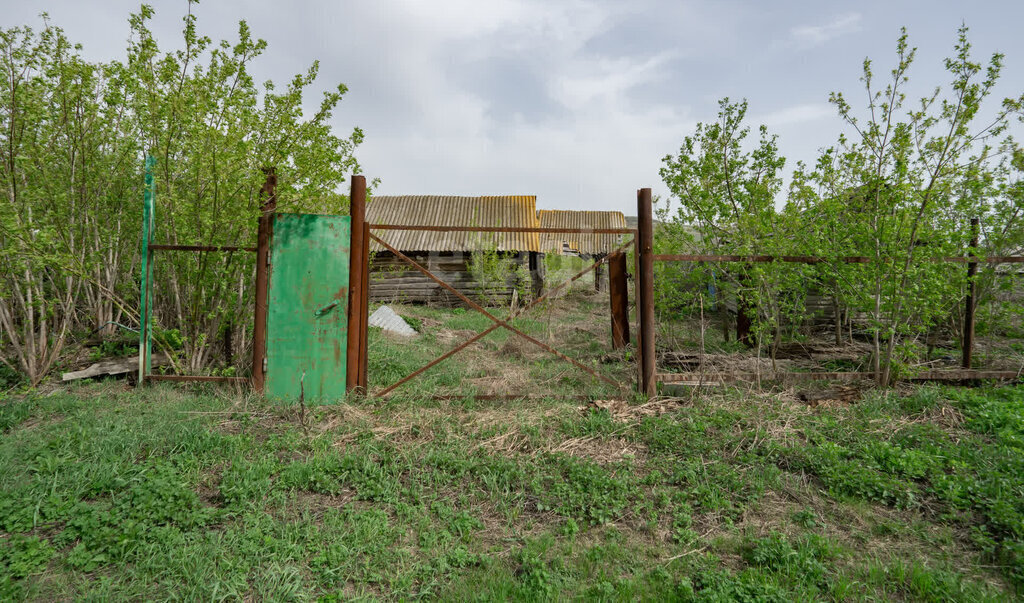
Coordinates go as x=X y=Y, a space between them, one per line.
x=576 y=102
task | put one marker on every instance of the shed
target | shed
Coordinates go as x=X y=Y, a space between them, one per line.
x=448 y=254
x=591 y=245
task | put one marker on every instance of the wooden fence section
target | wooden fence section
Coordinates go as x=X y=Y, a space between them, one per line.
x=696 y=378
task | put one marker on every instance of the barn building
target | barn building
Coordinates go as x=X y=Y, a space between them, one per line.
x=587 y=245
x=449 y=255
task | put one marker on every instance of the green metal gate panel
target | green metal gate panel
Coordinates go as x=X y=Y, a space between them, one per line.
x=307 y=307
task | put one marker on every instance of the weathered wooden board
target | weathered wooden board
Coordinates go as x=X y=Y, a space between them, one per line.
x=694 y=378
x=394 y=280
x=115 y=366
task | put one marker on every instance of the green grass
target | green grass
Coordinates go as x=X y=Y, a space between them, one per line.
x=166 y=493
x=502 y=362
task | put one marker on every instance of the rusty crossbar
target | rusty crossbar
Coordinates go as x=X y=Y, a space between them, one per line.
x=490 y=329
x=200 y=248
x=808 y=259
x=200 y=378
x=631 y=231
x=497 y=322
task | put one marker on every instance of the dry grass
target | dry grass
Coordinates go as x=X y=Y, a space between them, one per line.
x=601 y=450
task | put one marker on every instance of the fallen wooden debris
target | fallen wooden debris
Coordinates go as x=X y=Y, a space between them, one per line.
x=691 y=378
x=819 y=351
x=116 y=366
x=620 y=410
x=835 y=394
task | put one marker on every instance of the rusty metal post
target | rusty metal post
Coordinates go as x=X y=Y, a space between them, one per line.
x=972 y=269
x=364 y=325
x=645 y=251
x=263 y=234
x=618 y=294
x=356 y=295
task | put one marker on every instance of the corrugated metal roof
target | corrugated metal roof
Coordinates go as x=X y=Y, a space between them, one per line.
x=587 y=244
x=438 y=210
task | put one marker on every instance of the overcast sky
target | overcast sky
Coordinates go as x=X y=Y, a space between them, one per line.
x=575 y=102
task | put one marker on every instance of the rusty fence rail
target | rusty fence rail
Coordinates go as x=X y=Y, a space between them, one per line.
x=649 y=377
x=228 y=248
x=810 y=259
x=624 y=231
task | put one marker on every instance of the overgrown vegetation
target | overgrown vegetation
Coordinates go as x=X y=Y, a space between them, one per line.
x=73 y=137
x=496 y=272
x=899 y=188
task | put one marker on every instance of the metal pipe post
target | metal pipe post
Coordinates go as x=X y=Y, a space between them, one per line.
x=618 y=294
x=645 y=251
x=145 y=309
x=357 y=211
x=972 y=269
x=364 y=325
x=263 y=234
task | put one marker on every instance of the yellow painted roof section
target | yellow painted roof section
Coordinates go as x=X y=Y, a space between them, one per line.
x=586 y=243
x=510 y=211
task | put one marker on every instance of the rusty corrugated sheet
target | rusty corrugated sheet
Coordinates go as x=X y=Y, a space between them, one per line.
x=587 y=244
x=516 y=211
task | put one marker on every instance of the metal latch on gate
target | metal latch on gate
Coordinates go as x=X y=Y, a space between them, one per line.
x=325 y=309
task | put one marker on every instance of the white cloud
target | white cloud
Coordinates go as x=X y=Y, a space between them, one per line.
x=583 y=82
x=575 y=101
x=600 y=148
x=795 y=115
x=814 y=35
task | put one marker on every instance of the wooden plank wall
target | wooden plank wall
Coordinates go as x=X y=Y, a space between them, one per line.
x=392 y=280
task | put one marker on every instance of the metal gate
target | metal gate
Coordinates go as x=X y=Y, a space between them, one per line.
x=312 y=292
x=307 y=307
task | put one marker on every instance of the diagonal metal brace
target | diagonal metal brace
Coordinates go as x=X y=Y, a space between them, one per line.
x=487 y=331
x=498 y=322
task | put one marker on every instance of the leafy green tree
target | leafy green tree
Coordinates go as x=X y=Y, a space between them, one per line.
x=73 y=137
x=69 y=219
x=726 y=205
x=213 y=130
x=900 y=189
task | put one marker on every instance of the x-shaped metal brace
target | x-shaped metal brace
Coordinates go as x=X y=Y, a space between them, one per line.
x=497 y=321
